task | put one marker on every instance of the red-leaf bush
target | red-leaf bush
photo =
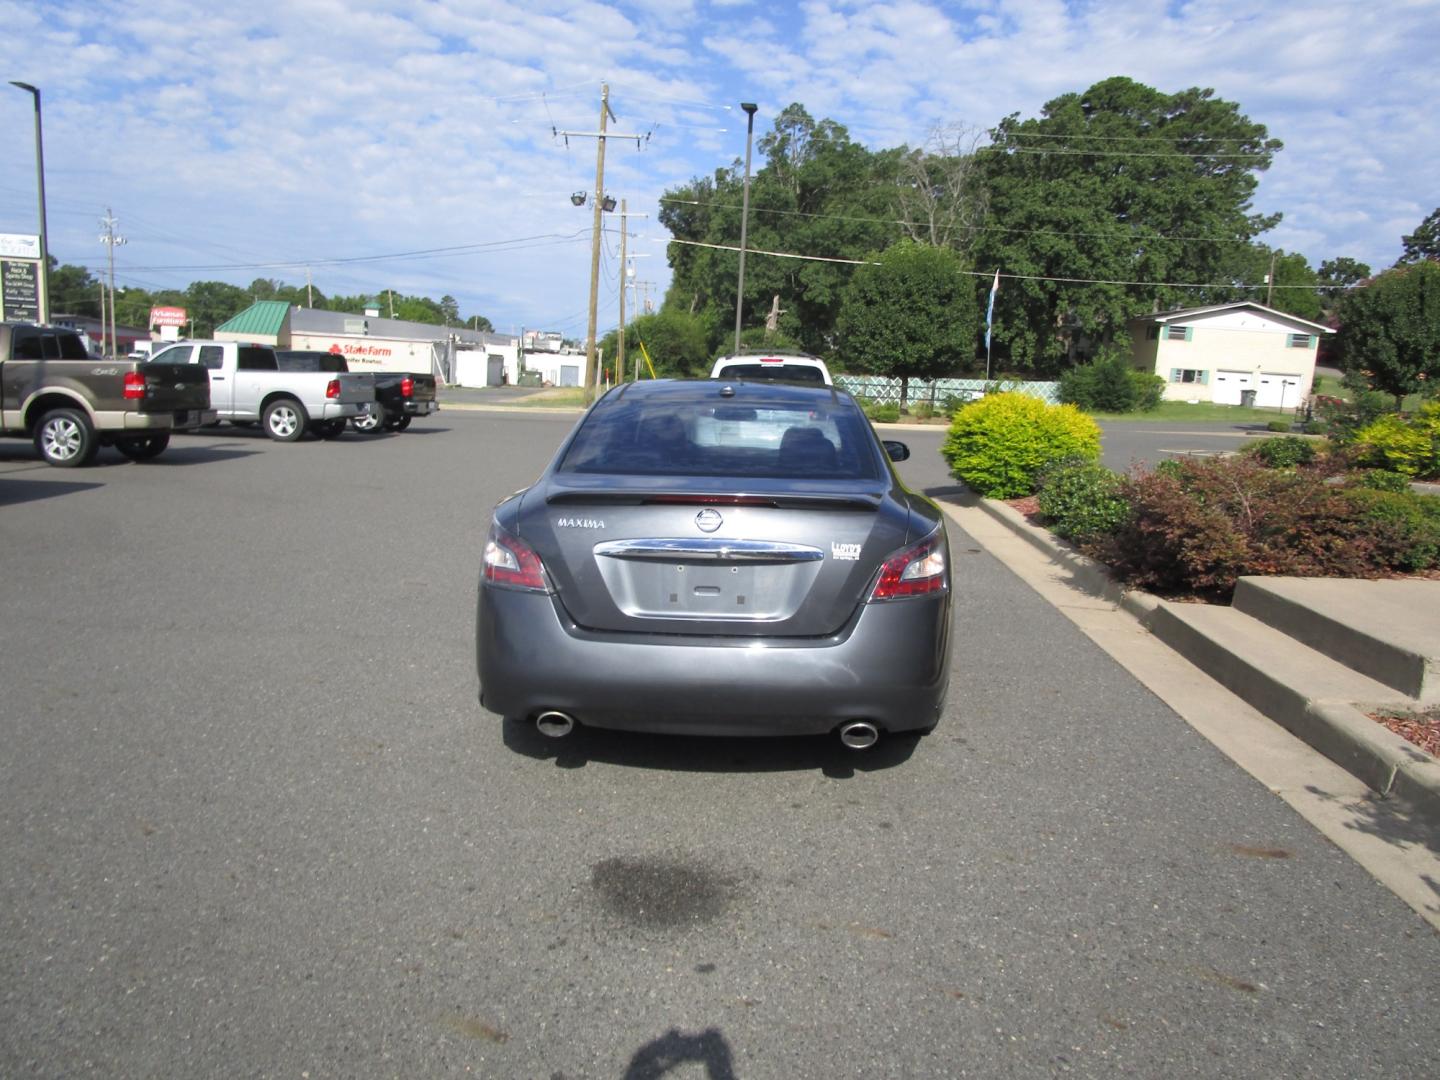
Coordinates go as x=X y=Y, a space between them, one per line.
x=1199 y=524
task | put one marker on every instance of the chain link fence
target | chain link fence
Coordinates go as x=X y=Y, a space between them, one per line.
x=880 y=389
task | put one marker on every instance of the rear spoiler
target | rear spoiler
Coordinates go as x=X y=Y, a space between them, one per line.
x=817 y=500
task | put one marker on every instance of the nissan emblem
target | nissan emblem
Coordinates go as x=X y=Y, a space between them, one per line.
x=708 y=520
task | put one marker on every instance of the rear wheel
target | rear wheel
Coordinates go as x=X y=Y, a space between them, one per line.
x=284 y=420
x=65 y=438
x=370 y=421
x=143 y=447
x=329 y=429
x=400 y=423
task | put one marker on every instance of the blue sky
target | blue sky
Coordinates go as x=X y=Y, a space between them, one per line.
x=413 y=140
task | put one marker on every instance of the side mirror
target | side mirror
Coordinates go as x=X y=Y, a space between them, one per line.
x=897 y=450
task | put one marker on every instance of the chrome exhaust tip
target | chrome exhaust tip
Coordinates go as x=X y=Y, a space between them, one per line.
x=554 y=725
x=859 y=735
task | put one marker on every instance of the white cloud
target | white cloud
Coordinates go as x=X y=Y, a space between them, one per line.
x=329 y=128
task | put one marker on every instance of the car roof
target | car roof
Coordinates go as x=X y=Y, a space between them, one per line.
x=757 y=392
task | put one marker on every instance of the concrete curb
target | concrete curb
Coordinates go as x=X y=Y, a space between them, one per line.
x=1391 y=766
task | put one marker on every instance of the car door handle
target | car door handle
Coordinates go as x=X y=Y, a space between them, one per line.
x=217 y=378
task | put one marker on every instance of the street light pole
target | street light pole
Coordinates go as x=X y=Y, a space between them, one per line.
x=749 y=108
x=44 y=283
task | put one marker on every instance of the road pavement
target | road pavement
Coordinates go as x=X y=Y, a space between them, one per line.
x=254 y=822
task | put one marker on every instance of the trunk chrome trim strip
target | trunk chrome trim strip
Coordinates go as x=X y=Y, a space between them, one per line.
x=663 y=549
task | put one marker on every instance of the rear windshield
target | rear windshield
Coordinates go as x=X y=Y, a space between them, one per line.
x=655 y=438
x=310 y=361
x=795 y=373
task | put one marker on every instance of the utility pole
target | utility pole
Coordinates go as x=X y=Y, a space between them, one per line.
x=749 y=108
x=620 y=351
x=591 y=344
x=1270 y=280
x=309 y=295
x=42 y=283
x=110 y=240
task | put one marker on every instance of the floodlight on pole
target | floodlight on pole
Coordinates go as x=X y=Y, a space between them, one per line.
x=578 y=199
x=749 y=108
x=43 y=282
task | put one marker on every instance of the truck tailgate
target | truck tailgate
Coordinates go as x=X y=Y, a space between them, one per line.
x=356 y=387
x=173 y=388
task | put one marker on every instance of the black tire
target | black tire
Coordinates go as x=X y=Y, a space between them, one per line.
x=143 y=447
x=284 y=420
x=368 y=423
x=400 y=423
x=329 y=429
x=66 y=439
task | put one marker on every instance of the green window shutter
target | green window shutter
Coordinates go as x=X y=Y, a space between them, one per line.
x=1174 y=374
x=1204 y=378
x=1189 y=333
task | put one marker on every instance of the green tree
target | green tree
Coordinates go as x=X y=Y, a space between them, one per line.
x=72 y=290
x=818 y=194
x=674 y=340
x=1424 y=242
x=210 y=303
x=1338 y=276
x=1390 y=331
x=1121 y=183
x=912 y=315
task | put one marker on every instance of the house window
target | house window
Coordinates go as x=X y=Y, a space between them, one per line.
x=1189 y=375
x=1179 y=333
x=1300 y=341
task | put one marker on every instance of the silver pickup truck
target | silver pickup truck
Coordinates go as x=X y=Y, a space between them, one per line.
x=70 y=403
x=247 y=386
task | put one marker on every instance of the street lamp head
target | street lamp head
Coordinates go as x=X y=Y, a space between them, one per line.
x=578 y=198
x=749 y=107
x=25 y=86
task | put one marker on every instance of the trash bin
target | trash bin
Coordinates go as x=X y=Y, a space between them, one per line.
x=1247 y=398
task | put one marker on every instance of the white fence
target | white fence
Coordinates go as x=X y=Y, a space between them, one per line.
x=879 y=388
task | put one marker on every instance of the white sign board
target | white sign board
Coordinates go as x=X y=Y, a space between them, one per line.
x=19 y=246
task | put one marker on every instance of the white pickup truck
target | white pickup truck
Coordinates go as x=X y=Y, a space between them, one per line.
x=247 y=385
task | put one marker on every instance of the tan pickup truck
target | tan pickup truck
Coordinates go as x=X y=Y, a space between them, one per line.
x=69 y=403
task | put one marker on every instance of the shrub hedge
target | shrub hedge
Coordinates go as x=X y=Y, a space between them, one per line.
x=1285 y=452
x=998 y=444
x=1081 y=499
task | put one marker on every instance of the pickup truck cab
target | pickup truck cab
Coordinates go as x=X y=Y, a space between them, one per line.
x=774 y=367
x=248 y=386
x=70 y=403
x=400 y=396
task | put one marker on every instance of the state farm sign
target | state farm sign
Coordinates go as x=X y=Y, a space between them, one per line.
x=168 y=316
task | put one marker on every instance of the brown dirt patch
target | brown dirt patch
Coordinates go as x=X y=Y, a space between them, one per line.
x=1422 y=729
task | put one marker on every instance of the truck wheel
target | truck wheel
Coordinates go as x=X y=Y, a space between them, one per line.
x=143 y=447
x=65 y=438
x=400 y=423
x=284 y=420
x=329 y=429
x=370 y=421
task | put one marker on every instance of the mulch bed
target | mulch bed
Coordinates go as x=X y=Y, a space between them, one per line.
x=1422 y=729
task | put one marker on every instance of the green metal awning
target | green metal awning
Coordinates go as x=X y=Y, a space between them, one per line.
x=262 y=318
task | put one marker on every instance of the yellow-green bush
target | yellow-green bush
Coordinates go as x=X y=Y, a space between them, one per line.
x=1409 y=447
x=996 y=445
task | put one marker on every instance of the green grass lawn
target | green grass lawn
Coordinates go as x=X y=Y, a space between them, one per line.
x=557 y=397
x=1204 y=412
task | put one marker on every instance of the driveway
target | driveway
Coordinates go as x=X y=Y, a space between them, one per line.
x=252 y=820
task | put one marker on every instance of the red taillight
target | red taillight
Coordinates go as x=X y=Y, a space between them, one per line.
x=134 y=385
x=713 y=500
x=512 y=563
x=407 y=387
x=332 y=389
x=917 y=570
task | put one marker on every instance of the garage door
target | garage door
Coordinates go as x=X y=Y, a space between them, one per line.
x=569 y=375
x=1278 y=391
x=1228 y=385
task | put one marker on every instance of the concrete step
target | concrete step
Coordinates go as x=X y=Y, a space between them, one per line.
x=1319 y=700
x=1387 y=630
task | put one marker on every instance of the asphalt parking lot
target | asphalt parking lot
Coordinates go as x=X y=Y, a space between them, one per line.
x=255 y=823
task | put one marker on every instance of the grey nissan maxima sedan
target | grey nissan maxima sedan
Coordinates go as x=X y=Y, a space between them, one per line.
x=718 y=558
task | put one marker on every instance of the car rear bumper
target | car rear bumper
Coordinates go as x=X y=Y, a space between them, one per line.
x=180 y=420
x=889 y=665
x=421 y=408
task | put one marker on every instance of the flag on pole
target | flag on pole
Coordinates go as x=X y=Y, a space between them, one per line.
x=990 y=310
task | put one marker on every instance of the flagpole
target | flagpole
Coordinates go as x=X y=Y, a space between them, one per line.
x=989 y=320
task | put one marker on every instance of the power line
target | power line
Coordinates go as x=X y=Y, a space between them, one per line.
x=973 y=228
x=1013 y=277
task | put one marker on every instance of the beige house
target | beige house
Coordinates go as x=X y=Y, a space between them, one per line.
x=1231 y=354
